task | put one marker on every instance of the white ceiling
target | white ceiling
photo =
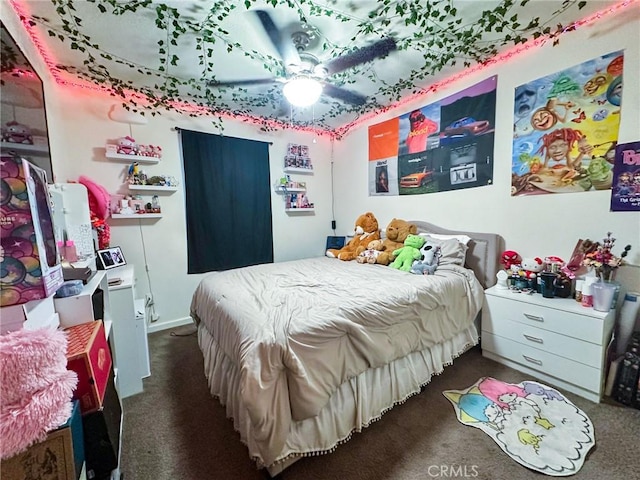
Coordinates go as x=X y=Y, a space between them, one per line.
x=126 y=47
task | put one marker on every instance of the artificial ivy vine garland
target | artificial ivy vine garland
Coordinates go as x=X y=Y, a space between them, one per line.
x=436 y=31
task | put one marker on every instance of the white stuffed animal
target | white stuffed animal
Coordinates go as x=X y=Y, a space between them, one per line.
x=532 y=267
x=428 y=262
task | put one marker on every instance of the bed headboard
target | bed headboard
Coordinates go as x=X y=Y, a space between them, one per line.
x=483 y=254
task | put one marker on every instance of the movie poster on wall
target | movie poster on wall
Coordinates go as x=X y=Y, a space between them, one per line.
x=443 y=146
x=625 y=192
x=566 y=129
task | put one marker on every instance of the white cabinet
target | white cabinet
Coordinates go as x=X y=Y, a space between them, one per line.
x=92 y=303
x=130 y=349
x=555 y=339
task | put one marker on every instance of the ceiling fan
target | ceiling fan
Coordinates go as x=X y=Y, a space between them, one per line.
x=305 y=76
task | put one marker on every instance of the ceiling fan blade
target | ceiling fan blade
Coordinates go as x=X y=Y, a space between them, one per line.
x=284 y=46
x=362 y=55
x=343 y=94
x=240 y=83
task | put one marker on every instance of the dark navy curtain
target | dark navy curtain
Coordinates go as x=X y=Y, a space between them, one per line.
x=228 y=201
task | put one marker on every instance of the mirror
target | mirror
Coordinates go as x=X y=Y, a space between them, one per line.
x=24 y=122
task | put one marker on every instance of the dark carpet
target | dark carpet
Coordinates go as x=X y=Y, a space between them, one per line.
x=175 y=430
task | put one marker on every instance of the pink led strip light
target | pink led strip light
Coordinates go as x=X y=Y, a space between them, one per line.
x=340 y=131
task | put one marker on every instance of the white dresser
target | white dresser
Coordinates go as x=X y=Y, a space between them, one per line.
x=130 y=348
x=554 y=339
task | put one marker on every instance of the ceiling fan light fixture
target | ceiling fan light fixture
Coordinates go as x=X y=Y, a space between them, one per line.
x=302 y=91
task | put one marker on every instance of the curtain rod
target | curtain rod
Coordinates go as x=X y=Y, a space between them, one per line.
x=178 y=129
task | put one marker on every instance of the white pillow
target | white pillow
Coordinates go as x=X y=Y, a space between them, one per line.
x=464 y=239
x=452 y=250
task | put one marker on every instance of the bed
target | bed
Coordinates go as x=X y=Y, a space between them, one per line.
x=304 y=353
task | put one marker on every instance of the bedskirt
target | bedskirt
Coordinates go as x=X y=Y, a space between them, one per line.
x=357 y=403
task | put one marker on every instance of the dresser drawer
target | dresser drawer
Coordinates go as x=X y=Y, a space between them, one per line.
x=556 y=344
x=581 y=327
x=568 y=370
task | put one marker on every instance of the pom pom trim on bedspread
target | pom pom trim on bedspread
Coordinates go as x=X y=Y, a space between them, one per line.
x=374 y=419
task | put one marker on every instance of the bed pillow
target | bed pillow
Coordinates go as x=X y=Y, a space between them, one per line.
x=452 y=251
x=461 y=238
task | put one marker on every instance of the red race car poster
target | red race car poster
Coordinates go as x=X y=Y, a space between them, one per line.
x=443 y=146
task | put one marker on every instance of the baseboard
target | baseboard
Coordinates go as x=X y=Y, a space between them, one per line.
x=179 y=322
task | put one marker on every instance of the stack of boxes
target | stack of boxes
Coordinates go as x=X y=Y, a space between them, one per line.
x=31 y=274
x=89 y=356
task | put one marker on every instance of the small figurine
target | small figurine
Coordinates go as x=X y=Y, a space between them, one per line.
x=127 y=146
x=15 y=132
x=155 y=204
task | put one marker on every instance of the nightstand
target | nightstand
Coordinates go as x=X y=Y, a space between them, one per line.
x=554 y=339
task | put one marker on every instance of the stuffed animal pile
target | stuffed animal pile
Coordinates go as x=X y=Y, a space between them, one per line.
x=366 y=229
x=395 y=235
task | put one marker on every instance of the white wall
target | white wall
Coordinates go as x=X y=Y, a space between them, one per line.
x=533 y=226
x=79 y=128
x=542 y=225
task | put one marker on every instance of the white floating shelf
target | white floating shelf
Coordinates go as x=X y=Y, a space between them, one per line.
x=298 y=170
x=137 y=215
x=289 y=190
x=153 y=188
x=36 y=150
x=131 y=158
x=300 y=210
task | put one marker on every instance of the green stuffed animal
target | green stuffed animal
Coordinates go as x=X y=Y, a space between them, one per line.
x=405 y=256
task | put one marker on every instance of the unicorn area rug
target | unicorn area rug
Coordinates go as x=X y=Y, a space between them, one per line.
x=532 y=423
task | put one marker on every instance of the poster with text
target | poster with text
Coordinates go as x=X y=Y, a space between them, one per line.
x=443 y=146
x=625 y=192
x=566 y=129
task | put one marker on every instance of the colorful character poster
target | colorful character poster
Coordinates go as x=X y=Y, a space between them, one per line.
x=625 y=192
x=443 y=146
x=566 y=129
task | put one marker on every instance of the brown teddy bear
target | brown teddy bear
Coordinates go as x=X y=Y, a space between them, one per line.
x=396 y=234
x=366 y=229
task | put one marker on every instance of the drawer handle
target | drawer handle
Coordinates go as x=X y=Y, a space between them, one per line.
x=532 y=360
x=534 y=317
x=532 y=339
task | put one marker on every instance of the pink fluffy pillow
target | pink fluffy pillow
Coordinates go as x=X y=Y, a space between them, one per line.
x=36 y=387
x=99 y=198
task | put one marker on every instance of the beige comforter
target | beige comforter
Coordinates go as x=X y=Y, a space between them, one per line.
x=297 y=330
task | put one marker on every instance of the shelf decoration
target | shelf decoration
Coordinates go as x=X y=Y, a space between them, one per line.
x=297 y=201
x=137 y=177
x=128 y=146
x=129 y=205
x=297 y=157
x=286 y=185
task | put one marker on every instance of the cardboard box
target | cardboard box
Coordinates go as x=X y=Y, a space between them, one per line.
x=77 y=437
x=51 y=458
x=89 y=356
x=31 y=257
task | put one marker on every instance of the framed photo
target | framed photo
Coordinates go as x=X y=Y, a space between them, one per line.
x=110 y=258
